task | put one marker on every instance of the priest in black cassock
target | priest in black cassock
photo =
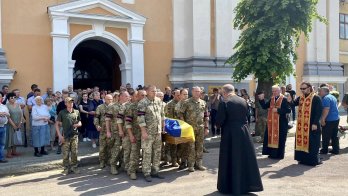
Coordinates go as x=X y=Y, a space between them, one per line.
x=308 y=126
x=238 y=169
x=277 y=124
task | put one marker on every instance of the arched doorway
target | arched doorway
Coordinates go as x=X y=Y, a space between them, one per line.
x=97 y=64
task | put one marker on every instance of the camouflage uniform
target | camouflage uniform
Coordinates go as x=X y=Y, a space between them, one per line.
x=114 y=118
x=70 y=145
x=182 y=149
x=126 y=143
x=151 y=116
x=195 y=113
x=131 y=115
x=261 y=124
x=170 y=112
x=105 y=144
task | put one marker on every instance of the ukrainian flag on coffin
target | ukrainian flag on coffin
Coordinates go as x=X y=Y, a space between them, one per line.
x=178 y=131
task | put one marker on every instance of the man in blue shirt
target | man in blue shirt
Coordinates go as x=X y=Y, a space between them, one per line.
x=329 y=121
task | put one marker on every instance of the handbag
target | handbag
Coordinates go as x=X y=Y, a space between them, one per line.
x=17 y=138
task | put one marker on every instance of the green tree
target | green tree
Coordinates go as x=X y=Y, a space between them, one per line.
x=271 y=30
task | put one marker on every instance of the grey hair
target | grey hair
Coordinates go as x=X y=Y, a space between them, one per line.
x=228 y=88
x=325 y=89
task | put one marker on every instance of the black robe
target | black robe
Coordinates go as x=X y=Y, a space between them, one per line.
x=277 y=153
x=312 y=157
x=238 y=168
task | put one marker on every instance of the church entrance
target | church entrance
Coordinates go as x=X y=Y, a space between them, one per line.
x=97 y=64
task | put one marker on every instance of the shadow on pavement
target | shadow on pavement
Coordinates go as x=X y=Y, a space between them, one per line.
x=267 y=162
x=217 y=193
x=291 y=171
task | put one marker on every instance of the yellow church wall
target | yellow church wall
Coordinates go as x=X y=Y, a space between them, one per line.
x=76 y=29
x=27 y=42
x=122 y=33
x=158 y=36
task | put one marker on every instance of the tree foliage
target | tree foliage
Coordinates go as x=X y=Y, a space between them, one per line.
x=270 y=35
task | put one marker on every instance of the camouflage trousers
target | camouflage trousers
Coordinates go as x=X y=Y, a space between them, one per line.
x=151 y=150
x=105 y=146
x=260 y=126
x=115 y=149
x=183 y=151
x=196 y=149
x=134 y=156
x=126 y=146
x=70 y=148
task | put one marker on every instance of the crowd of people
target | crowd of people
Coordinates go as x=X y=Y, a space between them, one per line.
x=128 y=126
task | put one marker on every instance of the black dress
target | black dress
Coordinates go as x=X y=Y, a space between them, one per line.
x=277 y=153
x=312 y=157
x=238 y=169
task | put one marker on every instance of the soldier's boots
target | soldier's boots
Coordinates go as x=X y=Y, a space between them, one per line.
x=174 y=164
x=102 y=165
x=199 y=166
x=114 y=170
x=183 y=165
x=65 y=171
x=75 y=170
x=59 y=150
x=148 y=178
x=133 y=176
x=191 y=169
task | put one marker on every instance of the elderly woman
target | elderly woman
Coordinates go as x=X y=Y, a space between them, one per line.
x=40 y=129
x=52 y=109
x=15 y=123
x=92 y=131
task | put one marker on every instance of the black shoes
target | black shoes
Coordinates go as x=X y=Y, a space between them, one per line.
x=323 y=152
x=148 y=178
x=3 y=161
x=333 y=152
x=44 y=153
x=37 y=154
x=59 y=150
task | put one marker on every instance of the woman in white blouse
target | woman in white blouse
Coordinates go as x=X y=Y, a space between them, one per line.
x=40 y=129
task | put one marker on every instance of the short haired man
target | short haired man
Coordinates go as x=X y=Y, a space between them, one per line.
x=70 y=120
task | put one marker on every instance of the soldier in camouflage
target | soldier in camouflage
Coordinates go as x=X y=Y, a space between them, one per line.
x=151 y=122
x=114 y=123
x=105 y=143
x=169 y=111
x=69 y=119
x=261 y=120
x=134 y=133
x=194 y=111
x=182 y=149
x=126 y=143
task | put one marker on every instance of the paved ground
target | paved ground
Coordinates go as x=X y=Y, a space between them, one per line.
x=283 y=177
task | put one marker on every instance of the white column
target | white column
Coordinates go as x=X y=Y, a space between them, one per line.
x=201 y=27
x=311 y=45
x=333 y=30
x=0 y=24
x=126 y=73
x=235 y=33
x=60 y=40
x=71 y=67
x=321 y=45
x=136 y=46
x=224 y=27
x=182 y=29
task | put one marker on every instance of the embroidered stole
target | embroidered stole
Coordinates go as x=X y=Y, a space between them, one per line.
x=303 y=123
x=273 y=122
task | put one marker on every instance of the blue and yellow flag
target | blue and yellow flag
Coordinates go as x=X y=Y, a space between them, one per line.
x=178 y=131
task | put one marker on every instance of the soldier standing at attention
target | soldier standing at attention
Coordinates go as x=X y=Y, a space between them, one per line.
x=126 y=143
x=182 y=149
x=69 y=119
x=169 y=112
x=151 y=122
x=134 y=133
x=100 y=123
x=194 y=111
x=114 y=130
